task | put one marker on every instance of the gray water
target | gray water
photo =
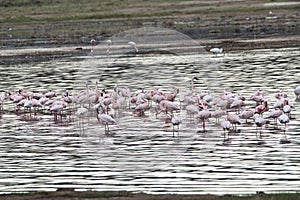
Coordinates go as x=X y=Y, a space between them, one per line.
x=42 y=154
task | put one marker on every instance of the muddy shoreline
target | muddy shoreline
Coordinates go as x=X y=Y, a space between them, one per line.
x=246 y=29
x=40 y=54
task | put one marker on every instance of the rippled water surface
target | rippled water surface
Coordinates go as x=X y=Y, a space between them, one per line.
x=40 y=153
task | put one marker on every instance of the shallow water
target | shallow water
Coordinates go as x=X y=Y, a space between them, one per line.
x=40 y=153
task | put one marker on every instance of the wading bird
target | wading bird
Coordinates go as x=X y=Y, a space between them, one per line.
x=104 y=118
x=217 y=51
x=225 y=124
x=176 y=121
x=133 y=45
x=259 y=122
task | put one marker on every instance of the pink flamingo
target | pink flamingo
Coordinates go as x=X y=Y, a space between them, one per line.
x=171 y=96
x=203 y=115
x=274 y=114
x=142 y=107
x=246 y=114
x=260 y=109
x=258 y=97
x=104 y=118
x=50 y=94
x=168 y=106
x=234 y=120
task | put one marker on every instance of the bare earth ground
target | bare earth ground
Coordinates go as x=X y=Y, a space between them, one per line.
x=234 y=25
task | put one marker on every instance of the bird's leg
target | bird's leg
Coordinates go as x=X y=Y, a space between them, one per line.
x=256 y=132
x=173 y=130
x=260 y=132
x=203 y=125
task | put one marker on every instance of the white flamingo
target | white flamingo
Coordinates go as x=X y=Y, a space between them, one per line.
x=284 y=119
x=226 y=125
x=259 y=122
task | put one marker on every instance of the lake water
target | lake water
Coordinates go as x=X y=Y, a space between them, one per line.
x=39 y=153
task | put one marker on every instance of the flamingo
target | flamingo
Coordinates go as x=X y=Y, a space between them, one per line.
x=274 y=114
x=50 y=94
x=203 y=115
x=226 y=125
x=171 y=96
x=234 y=120
x=217 y=114
x=104 y=118
x=56 y=109
x=192 y=110
x=260 y=109
x=297 y=93
x=176 y=121
x=287 y=110
x=133 y=45
x=192 y=83
x=141 y=108
x=246 y=114
x=259 y=121
x=284 y=119
x=166 y=105
x=237 y=103
x=258 y=97
x=81 y=111
x=217 y=51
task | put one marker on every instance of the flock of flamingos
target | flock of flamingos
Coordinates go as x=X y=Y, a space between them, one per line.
x=228 y=108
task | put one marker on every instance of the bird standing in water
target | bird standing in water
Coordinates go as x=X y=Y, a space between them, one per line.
x=225 y=124
x=176 y=120
x=284 y=119
x=104 y=118
x=133 y=45
x=217 y=51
